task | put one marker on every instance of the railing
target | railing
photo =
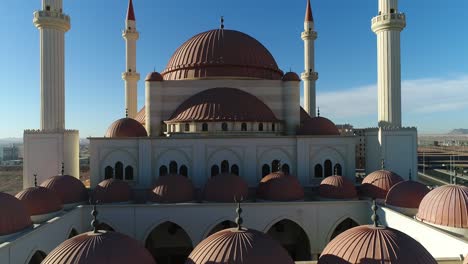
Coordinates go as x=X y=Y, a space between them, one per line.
x=387 y=17
x=53 y=14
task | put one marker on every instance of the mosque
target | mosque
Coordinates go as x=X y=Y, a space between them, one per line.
x=223 y=165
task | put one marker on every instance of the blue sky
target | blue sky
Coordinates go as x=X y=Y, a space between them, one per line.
x=434 y=56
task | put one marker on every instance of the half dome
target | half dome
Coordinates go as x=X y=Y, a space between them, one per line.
x=222 y=53
x=337 y=187
x=278 y=186
x=69 y=189
x=113 y=191
x=445 y=206
x=14 y=216
x=378 y=183
x=126 y=127
x=369 y=244
x=173 y=188
x=291 y=77
x=100 y=248
x=233 y=246
x=318 y=126
x=225 y=187
x=406 y=194
x=223 y=104
x=40 y=201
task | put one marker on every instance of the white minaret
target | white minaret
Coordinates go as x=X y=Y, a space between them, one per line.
x=47 y=148
x=309 y=76
x=387 y=26
x=52 y=25
x=131 y=76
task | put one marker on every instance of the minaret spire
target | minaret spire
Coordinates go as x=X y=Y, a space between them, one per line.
x=131 y=76
x=309 y=76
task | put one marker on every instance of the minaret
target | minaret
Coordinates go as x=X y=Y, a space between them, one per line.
x=52 y=25
x=309 y=76
x=131 y=76
x=387 y=26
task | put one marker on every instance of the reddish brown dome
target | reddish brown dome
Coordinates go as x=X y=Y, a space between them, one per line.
x=126 y=127
x=172 y=189
x=337 y=187
x=278 y=186
x=317 y=126
x=224 y=187
x=377 y=184
x=40 y=200
x=141 y=116
x=69 y=189
x=446 y=206
x=407 y=194
x=154 y=77
x=222 y=53
x=112 y=191
x=100 y=248
x=291 y=77
x=223 y=104
x=232 y=246
x=369 y=244
x=14 y=216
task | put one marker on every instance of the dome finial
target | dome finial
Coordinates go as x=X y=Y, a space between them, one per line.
x=94 y=213
x=126 y=112
x=410 y=175
x=382 y=164
x=375 y=216
x=63 y=169
x=239 y=219
x=318 y=111
x=222 y=22
x=35 y=180
x=309 y=17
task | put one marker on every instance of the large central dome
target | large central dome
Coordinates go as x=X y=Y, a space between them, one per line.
x=222 y=53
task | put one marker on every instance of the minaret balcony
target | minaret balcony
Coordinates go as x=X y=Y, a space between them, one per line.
x=310 y=34
x=309 y=76
x=51 y=19
x=389 y=21
x=131 y=76
x=131 y=34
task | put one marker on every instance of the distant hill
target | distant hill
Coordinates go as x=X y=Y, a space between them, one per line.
x=459 y=131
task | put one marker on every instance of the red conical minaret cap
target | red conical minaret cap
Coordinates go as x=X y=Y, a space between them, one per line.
x=130 y=12
x=309 y=16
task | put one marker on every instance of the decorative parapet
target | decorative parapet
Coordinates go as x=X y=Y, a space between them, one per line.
x=53 y=131
x=52 y=19
x=309 y=35
x=131 y=34
x=309 y=76
x=388 y=128
x=389 y=21
x=130 y=76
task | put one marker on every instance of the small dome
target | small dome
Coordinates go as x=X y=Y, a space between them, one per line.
x=154 y=77
x=40 y=200
x=222 y=53
x=113 y=191
x=224 y=187
x=126 y=127
x=223 y=104
x=378 y=183
x=291 y=77
x=14 y=216
x=100 y=248
x=406 y=194
x=369 y=244
x=172 y=189
x=337 y=187
x=233 y=246
x=446 y=206
x=278 y=186
x=318 y=126
x=69 y=189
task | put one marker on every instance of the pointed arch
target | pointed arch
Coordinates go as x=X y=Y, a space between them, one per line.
x=275 y=165
x=72 y=233
x=214 y=170
x=221 y=226
x=169 y=243
x=341 y=226
x=285 y=168
x=129 y=173
x=108 y=173
x=173 y=167
x=337 y=169
x=162 y=171
x=119 y=170
x=293 y=238
x=225 y=166
x=37 y=257
x=318 y=171
x=327 y=165
x=183 y=171
x=265 y=170
x=235 y=169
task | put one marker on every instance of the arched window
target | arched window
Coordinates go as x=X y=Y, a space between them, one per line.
x=183 y=170
x=244 y=127
x=108 y=172
x=73 y=233
x=338 y=170
x=214 y=170
x=265 y=170
x=273 y=127
x=328 y=168
x=119 y=170
x=187 y=127
x=129 y=173
x=318 y=171
x=275 y=165
x=205 y=127
x=37 y=258
x=225 y=166
x=162 y=171
x=346 y=224
x=260 y=127
x=285 y=168
x=173 y=167
x=235 y=169
x=224 y=126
